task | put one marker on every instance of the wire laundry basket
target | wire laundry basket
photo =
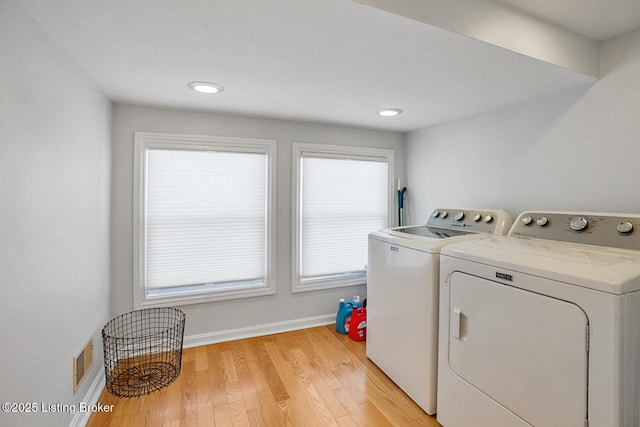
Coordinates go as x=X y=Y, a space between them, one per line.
x=143 y=350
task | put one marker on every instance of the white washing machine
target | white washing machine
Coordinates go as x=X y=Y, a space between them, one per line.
x=542 y=327
x=402 y=295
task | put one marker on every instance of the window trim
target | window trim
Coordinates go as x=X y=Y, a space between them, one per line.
x=146 y=140
x=301 y=149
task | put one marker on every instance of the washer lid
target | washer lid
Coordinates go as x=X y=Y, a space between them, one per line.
x=610 y=270
x=426 y=231
x=418 y=241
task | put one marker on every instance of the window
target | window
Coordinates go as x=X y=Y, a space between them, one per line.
x=203 y=219
x=342 y=194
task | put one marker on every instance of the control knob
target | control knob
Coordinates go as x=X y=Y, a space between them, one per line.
x=458 y=216
x=488 y=219
x=527 y=220
x=477 y=217
x=443 y=214
x=435 y=213
x=579 y=223
x=625 y=227
x=542 y=221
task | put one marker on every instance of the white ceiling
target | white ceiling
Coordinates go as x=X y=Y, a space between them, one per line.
x=334 y=61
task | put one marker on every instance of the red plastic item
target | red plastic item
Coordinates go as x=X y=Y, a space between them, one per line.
x=358 y=324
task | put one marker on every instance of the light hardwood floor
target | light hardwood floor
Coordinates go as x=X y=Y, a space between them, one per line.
x=313 y=377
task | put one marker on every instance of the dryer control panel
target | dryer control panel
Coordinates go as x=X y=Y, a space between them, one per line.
x=590 y=228
x=471 y=220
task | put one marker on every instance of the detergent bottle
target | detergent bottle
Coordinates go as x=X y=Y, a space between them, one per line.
x=343 y=316
x=358 y=324
x=344 y=311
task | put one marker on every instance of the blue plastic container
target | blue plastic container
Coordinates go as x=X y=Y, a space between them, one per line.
x=344 y=314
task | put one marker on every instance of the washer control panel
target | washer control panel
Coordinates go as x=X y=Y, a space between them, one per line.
x=595 y=228
x=471 y=220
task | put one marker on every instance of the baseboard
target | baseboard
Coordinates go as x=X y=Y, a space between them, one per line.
x=80 y=419
x=257 y=330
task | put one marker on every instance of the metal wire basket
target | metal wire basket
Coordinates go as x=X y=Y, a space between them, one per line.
x=143 y=350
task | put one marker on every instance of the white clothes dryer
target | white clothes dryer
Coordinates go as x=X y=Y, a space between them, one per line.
x=542 y=327
x=402 y=295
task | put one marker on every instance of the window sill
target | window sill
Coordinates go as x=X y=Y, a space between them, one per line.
x=170 y=299
x=329 y=282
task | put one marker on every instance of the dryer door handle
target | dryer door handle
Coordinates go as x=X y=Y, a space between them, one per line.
x=456 y=323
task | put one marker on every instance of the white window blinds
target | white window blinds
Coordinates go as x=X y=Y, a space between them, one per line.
x=341 y=201
x=206 y=217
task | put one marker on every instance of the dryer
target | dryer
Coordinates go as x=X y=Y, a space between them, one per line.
x=402 y=294
x=542 y=327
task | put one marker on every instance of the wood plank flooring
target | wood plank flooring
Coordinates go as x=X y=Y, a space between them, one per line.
x=312 y=377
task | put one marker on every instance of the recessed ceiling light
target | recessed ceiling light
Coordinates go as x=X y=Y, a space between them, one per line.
x=205 y=87
x=389 y=112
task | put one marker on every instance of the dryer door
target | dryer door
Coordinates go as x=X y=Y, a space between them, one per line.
x=526 y=351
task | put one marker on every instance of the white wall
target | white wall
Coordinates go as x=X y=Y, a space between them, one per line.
x=576 y=150
x=206 y=322
x=54 y=219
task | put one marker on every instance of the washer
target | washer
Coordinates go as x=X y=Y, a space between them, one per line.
x=402 y=295
x=542 y=327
